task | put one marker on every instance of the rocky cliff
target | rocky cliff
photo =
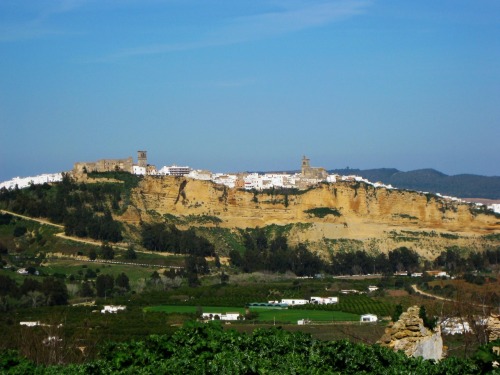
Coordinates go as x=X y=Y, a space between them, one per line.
x=325 y=216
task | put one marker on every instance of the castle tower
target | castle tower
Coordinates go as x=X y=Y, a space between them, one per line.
x=306 y=166
x=142 y=159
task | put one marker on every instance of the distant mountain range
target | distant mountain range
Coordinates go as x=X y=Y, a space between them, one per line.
x=432 y=181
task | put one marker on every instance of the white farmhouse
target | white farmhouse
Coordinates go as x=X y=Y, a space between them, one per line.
x=368 y=318
x=221 y=316
x=30 y=323
x=324 y=300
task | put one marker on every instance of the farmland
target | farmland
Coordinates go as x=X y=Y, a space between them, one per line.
x=265 y=314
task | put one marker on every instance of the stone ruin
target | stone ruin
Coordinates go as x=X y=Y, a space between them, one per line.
x=493 y=327
x=411 y=336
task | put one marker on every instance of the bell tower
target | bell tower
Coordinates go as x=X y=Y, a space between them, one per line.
x=142 y=159
x=306 y=166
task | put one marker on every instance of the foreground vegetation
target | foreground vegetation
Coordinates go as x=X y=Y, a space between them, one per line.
x=209 y=349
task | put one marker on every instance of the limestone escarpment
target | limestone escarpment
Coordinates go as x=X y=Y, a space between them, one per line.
x=381 y=217
x=409 y=335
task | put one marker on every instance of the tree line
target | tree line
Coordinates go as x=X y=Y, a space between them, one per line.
x=275 y=255
x=51 y=291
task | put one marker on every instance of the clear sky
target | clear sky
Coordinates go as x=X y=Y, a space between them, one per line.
x=250 y=85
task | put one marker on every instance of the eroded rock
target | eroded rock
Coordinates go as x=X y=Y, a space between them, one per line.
x=411 y=336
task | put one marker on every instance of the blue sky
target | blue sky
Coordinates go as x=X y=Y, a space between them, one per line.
x=250 y=84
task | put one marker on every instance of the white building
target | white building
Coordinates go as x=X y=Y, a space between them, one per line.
x=454 y=326
x=30 y=324
x=221 y=316
x=138 y=170
x=368 y=318
x=174 y=170
x=23 y=182
x=200 y=174
x=324 y=300
x=225 y=179
x=295 y=301
x=112 y=309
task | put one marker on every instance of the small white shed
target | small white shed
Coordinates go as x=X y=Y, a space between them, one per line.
x=368 y=318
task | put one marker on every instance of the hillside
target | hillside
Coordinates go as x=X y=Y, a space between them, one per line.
x=329 y=217
x=430 y=180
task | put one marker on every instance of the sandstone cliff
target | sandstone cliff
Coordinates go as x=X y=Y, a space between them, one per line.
x=325 y=216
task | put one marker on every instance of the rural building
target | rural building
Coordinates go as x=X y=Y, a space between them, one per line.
x=294 y=301
x=30 y=324
x=324 y=300
x=437 y=273
x=112 y=309
x=368 y=318
x=222 y=316
x=454 y=326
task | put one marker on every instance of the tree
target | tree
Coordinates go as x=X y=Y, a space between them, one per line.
x=86 y=290
x=130 y=253
x=428 y=322
x=55 y=291
x=397 y=312
x=122 y=282
x=20 y=231
x=104 y=285
x=403 y=258
x=107 y=252
x=92 y=254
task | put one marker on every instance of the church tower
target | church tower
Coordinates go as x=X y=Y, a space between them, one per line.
x=306 y=166
x=142 y=159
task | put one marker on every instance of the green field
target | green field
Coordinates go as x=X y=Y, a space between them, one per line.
x=265 y=315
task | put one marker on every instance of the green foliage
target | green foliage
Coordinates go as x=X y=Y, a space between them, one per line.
x=20 y=231
x=398 y=310
x=428 y=321
x=274 y=255
x=84 y=209
x=209 y=349
x=321 y=212
x=162 y=237
x=106 y=252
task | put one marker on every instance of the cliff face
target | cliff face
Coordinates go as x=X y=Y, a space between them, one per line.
x=345 y=210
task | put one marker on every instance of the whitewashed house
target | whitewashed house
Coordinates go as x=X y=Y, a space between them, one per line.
x=324 y=300
x=221 y=316
x=30 y=323
x=454 y=326
x=368 y=318
x=113 y=309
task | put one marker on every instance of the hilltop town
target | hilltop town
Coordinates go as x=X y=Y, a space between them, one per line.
x=307 y=177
